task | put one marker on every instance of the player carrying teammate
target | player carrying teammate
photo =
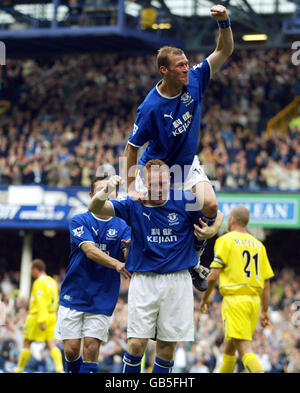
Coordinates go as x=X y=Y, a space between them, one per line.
x=160 y=298
x=169 y=119
x=41 y=319
x=244 y=270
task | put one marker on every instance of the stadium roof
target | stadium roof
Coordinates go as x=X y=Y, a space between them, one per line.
x=46 y=22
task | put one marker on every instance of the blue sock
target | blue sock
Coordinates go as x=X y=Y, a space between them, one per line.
x=131 y=364
x=162 y=366
x=89 y=367
x=73 y=367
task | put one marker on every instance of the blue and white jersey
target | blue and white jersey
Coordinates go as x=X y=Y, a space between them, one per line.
x=161 y=236
x=89 y=286
x=171 y=125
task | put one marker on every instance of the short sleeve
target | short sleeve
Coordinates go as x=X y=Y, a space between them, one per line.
x=221 y=253
x=141 y=132
x=122 y=208
x=202 y=73
x=80 y=232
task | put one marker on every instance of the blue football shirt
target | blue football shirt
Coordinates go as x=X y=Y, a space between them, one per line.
x=171 y=125
x=161 y=236
x=89 y=286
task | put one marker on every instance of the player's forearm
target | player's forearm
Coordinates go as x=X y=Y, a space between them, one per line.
x=101 y=257
x=265 y=296
x=96 y=204
x=217 y=224
x=131 y=154
x=225 y=43
x=99 y=204
x=210 y=287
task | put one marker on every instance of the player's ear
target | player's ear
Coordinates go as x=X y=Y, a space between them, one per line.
x=163 y=70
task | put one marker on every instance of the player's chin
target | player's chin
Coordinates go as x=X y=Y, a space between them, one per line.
x=185 y=81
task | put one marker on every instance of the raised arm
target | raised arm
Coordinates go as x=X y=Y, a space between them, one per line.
x=131 y=154
x=225 y=41
x=99 y=204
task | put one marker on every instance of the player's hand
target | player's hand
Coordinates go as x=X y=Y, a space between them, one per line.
x=137 y=196
x=42 y=326
x=265 y=319
x=219 y=12
x=204 y=306
x=120 y=268
x=204 y=232
x=127 y=245
x=112 y=184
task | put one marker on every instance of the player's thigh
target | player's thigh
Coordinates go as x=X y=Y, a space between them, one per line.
x=240 y=316
x=196 y=174
x=69 y=324
x=96 y=326
x=143 y=305
x=175 y=320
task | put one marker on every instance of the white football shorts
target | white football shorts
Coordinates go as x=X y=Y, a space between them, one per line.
x=161 y=306
x=73 y=324
x=195 y=175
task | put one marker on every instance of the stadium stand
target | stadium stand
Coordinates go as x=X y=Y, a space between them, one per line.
x=71 y=114
x=64 y=113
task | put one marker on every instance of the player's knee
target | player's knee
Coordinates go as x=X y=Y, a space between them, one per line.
x=165 y=350
x=71 y=350
x=91 y=348
x=136 y=346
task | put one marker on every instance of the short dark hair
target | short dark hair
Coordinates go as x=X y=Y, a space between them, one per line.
x=94 y=181
x=38 y=264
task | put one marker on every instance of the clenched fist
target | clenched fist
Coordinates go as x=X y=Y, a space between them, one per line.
x=219 y=12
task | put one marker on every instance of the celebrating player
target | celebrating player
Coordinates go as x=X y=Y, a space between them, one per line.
x=40 y=322
x=91 y=286
x=160 y=298
x=169 y=118
x=242 y=264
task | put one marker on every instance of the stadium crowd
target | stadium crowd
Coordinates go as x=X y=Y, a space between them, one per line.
x=278 y=346
x=71 y=114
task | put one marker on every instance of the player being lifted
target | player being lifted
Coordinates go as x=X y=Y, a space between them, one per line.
x=169 y=120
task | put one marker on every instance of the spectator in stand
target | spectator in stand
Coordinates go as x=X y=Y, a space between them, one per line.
x=74 y=108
